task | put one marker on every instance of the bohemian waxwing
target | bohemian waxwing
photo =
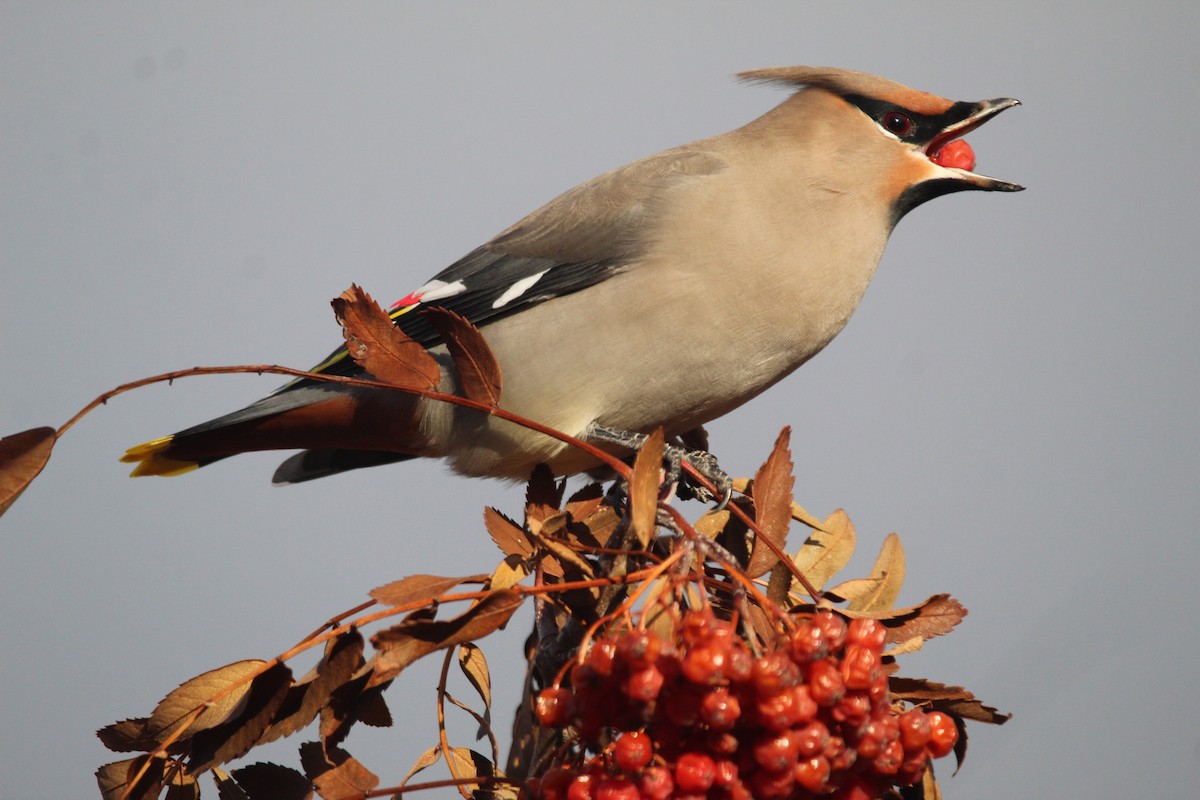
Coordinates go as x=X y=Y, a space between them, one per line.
x=663 y=293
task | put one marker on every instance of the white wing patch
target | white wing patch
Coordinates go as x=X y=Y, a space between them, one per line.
x=437 y=290
x=517 y=289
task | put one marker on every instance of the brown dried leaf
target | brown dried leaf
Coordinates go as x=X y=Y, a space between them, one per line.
x=22 y=457
x=542 y=497
x=506 y=533
x=343 y=657
x=644 y=487
x=474 y=665
x=772 y=493
x=182 y=786
x=236 y=737
x=381 y=348
x=745 y=486
x=509 y=572
x=402 y=644
x=466 y=763
x=855 y=589
x=585 y=502
x=889 y=569
x=337 y=775
x=424 y=761
x=478 y=372
x=827 y=549
x=372 y=708
x=905 y=646
x=929 y=785
x=953 y=699
x=116 y=780
x=936 y=616
x=228 y=788
x=127 y=736
x=560 y=557
x=711 y=523
x=593 y=530
x=231 y=681
x=418 y=588
x=663 y=617
x=357 y=700
x=266 y=781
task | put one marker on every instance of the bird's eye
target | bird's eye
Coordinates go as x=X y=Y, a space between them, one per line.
x=898 y=123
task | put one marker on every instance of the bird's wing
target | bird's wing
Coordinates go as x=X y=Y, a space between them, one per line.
x=580 y=238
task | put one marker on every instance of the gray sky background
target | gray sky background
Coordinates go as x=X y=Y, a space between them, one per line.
x=1017 y=395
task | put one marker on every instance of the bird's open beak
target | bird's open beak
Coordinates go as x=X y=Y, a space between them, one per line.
x=984 y=111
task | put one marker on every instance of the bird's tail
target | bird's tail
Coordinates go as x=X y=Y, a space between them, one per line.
x=154 y=458
x=309 y=418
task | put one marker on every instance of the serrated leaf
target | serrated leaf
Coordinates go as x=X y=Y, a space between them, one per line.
x=419 y=588
x=231 y=682
x=235 y=738
x=22 y=457
x=743 y=486
x=585 y=502
x=336 y=774
x=182 y=786
x=478 y=372
x=228 y=788
x=772 y=493
x=827 y=550
x=953 y=699
x=711 y=523
x=424 y=761
x=381 y=348
x=663 y=617
x=127 y=736
x=466 y=763
x=116 y=780
x=402 y=644
x=560 y=556
x=474 y=665
x=342 y=659
x=266 y=781
x=644 y=487
x=506 y=533
x=889 y=569
x=509 y=572
x=542 y=497
x=910 y=645
x=855 y=589
x=936 y=616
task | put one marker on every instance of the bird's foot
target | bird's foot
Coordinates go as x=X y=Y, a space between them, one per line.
x=674 y=457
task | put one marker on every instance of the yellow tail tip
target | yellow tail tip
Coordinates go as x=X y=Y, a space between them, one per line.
x=152 y=459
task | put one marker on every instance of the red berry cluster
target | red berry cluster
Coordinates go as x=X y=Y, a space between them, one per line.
x=704 y=718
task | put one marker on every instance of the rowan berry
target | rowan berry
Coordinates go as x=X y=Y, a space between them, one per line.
x=915 y=730
x=638 y=648
x=943 y=733
x=695 y=772
x=643 y=685
x=633 y=750
x=656 y=783
x=860 y=666
x=825 y=682
x=955 y=155
x=554 y=707
x=719 y=709
x=776 y=751
x=813 y=773
x=870 y=633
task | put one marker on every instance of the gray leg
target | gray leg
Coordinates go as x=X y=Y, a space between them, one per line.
x=674 y=456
